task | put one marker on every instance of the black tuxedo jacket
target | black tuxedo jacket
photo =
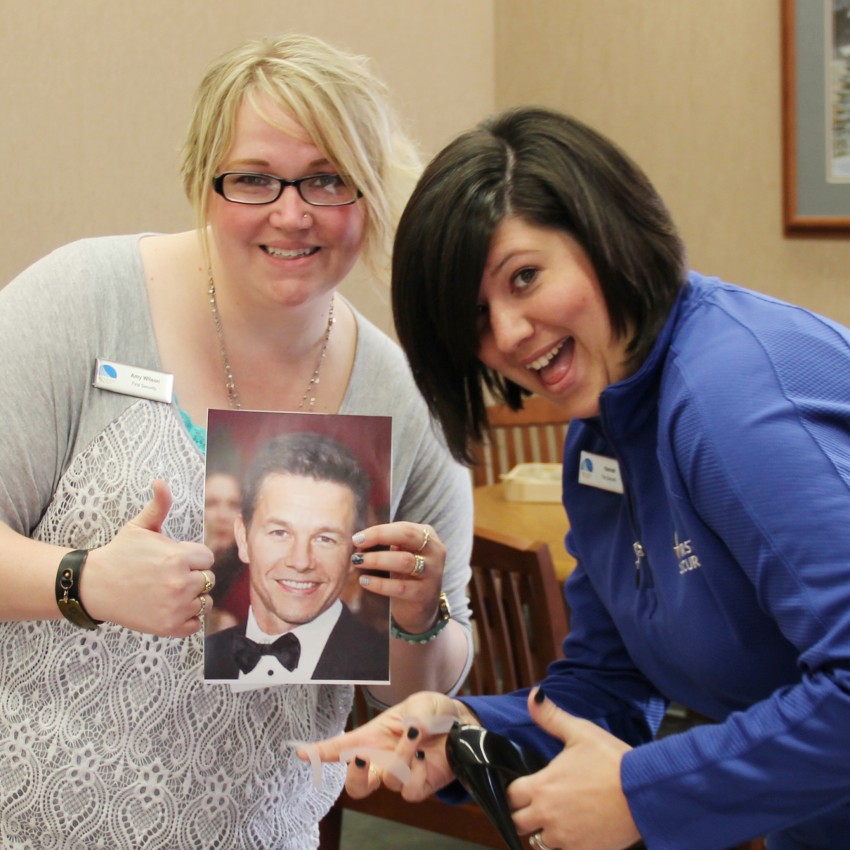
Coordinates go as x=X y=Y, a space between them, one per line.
x=353 y=652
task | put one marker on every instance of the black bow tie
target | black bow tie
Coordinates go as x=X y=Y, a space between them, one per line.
x=286 y=649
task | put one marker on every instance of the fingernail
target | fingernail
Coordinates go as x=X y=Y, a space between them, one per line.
x=420 y=755
x=539 y=696
x=357 y=559
x=412 y=733
x=364 y=581
x=359 y=761
x=358 y=538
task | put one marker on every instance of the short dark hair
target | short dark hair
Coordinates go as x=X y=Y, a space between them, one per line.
x=551 y=171
x=309 y=455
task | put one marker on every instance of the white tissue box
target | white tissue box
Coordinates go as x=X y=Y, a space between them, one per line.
x=533 y=482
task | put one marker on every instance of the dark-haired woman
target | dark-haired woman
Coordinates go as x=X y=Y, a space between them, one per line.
x=707 y=483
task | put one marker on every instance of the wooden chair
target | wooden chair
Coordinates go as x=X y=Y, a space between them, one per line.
x=534 y=434
x=519 y=622
x=519 y=616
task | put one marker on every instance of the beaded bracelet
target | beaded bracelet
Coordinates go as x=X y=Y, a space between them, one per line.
x=443 y=616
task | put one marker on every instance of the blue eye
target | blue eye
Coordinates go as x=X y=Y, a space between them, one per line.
x=330 y=183
x=253 y=180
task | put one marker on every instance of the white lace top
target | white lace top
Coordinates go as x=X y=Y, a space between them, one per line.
x=110 y=739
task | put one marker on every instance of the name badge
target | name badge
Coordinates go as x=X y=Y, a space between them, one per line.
x=600 y=471
x=132 y=380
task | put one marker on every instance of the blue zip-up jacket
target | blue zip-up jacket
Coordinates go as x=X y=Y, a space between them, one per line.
x=733 y=444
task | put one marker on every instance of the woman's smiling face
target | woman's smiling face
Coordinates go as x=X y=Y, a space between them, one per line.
x=543 y=320
x=288 y=250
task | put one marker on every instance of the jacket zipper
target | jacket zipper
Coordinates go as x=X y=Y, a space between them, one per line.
x=637 y=546
x=639 y=555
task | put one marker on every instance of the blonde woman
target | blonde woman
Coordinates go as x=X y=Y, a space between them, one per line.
x=295 y=168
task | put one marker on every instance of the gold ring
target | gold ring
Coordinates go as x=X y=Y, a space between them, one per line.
x=418 y=566
x=538 y=842
x=373 y=771
x=208 y=581
x=203 y=607
x=426 y=536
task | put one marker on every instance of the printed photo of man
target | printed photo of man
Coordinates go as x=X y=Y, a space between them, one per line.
x=303 y=497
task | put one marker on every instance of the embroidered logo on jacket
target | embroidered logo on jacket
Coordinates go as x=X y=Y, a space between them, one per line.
x=685 y=555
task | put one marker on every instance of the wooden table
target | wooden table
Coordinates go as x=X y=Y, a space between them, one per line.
x=544 y=521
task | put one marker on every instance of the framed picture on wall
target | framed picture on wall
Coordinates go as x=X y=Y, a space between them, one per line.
x=816 y=116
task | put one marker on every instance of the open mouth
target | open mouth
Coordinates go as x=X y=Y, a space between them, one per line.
x=297 y=586
x=282 y=254
x=554 y=365
x=547 y=358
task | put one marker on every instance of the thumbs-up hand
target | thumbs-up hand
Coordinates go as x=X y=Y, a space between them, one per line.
x=153 y=514
x=577 y=802
x=146 y=581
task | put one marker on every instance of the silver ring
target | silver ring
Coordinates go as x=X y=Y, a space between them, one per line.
x=418 y=566
x=538 y=842
x=208 y=581
x=426 y=536
x=203 y=607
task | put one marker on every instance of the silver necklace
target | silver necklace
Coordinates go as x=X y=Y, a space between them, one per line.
x=230 y=384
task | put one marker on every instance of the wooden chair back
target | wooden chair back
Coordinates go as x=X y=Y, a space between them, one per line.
x=519 y=621
x=519 y=615
x=534 y=434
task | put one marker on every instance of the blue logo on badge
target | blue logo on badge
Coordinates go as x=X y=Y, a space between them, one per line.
x=587 y=465
x=107 y=372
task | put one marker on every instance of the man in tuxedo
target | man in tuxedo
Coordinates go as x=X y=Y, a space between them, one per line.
x=303 y=498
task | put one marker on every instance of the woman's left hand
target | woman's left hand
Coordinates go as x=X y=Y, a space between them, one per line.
x=403 y=748
x=577 y=801
x=415 y=558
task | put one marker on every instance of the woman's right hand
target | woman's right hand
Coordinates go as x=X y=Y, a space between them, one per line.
x=146 y=581
x=403 y=748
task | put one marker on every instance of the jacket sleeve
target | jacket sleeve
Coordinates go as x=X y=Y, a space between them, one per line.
x=595 y=680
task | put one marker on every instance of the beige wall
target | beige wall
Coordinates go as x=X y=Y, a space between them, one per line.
x=692 y=91
x=95 y=96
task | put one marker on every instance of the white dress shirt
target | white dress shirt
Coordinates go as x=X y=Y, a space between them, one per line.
x=269 y=671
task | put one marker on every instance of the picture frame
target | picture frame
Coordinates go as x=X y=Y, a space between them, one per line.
x=816 y=132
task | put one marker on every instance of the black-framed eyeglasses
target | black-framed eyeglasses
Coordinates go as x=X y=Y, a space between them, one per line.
x=320 y=190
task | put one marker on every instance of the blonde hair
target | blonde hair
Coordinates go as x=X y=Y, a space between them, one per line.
x=342 y=106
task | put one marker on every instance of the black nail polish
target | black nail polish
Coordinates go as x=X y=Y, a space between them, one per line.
x=420 y=755
x=539 y=696
x=359 y=762
x=412 y=733
x=357 y=559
